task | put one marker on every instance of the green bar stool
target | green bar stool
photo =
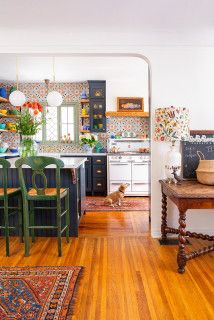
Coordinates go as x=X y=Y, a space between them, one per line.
x=38 y=165
x=6 y=194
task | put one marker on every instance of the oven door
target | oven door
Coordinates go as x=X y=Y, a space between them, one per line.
x=120 y=171
x=140 y=172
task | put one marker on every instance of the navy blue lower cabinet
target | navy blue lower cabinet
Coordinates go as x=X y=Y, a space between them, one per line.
x=46 y=217
x=95 y=167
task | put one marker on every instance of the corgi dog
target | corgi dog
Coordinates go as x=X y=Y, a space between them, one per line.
x=117 y=196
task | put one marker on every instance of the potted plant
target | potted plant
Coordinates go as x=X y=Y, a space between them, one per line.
x=88 y=141
x=27 y=125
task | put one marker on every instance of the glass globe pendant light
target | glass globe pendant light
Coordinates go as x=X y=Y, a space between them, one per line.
x=54 y=98
x=17 y=98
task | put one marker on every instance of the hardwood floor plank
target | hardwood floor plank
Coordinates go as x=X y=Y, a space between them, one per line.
x=127 y=274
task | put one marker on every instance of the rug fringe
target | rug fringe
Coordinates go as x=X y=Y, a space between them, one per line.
x=75 y=294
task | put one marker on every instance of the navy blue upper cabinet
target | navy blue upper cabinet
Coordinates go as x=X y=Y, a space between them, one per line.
x=97 y=97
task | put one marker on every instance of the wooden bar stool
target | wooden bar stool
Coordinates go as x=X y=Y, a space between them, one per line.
x=6 y=194
x=42 y=193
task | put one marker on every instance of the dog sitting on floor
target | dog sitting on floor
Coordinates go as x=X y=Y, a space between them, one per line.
x=117 y=196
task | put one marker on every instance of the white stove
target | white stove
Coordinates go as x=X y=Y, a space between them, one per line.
x=132 y=168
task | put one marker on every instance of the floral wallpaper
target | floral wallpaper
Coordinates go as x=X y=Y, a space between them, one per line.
x=71 y=92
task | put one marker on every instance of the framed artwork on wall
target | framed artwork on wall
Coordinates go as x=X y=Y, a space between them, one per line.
x=130 y=104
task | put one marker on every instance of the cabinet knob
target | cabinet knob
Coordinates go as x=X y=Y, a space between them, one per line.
x=99 y=171
x=98 y=160
x=99 y=184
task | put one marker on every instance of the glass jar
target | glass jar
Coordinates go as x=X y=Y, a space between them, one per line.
x=28 y=146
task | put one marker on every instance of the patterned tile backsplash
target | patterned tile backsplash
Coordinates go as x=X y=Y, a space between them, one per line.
x=71 y=92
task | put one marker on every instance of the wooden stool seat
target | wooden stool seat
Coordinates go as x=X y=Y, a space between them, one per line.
x=47 y=192
x=9 y=191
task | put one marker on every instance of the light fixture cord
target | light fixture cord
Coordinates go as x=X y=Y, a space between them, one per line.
x=54 y=69
x=17 y=73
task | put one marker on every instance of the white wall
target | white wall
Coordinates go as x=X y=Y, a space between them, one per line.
x=181 y=76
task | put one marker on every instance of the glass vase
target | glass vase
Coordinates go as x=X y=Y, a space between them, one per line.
x=28 y=146
x=87 y=148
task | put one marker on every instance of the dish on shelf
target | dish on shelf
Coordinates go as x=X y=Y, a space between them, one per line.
x=13 y=150
x=11 y=126
x=2 y=125
x=3 y=149
x=3 y=111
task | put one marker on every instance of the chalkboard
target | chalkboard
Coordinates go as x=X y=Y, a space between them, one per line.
x=190 y=158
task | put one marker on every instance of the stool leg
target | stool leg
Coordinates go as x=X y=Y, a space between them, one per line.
x=26 y=227
x=6 y=223
x=67 y=216
x=20 y=217
x=59 y=227
x=32 y=220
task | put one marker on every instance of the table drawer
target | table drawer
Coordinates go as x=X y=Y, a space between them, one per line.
x=99 y=171
x=99 y=160
x=99 y=184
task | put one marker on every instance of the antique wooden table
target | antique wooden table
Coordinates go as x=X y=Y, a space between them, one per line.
x=187 y=195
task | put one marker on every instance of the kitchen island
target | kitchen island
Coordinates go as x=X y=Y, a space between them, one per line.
x=72 y=177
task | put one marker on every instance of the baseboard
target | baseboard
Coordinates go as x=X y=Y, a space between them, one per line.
x=157 y=233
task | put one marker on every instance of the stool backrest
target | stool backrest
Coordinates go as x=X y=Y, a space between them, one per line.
x=4 y=165
x=38 y=165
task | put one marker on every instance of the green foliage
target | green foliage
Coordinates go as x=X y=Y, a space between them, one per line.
x=28 y=124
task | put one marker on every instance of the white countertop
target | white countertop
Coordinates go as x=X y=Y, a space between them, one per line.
x=70 y=163
x=68 y=154
x=9 y=154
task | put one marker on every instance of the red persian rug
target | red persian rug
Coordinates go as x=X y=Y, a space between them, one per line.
x=37 y=292
x=128 y=204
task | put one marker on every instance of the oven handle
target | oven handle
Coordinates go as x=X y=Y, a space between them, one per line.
x=118 y=164
x=140 y=164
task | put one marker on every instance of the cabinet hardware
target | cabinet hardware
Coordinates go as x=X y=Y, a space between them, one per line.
x=98 y=160
x=99 y=184
x=99 y=171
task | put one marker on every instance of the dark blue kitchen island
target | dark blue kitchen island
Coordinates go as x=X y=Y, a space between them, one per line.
x=72 y=177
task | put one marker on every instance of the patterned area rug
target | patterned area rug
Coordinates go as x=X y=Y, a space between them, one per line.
x=37 y=292
x=128 y=204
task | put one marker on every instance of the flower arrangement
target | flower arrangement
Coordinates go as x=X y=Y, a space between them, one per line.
x=29 y=123
x=88 y=139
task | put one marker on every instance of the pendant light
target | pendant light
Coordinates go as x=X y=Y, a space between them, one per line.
x=54 y=98
x=17 y=98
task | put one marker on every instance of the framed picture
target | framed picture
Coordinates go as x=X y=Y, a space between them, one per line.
x=130 y=104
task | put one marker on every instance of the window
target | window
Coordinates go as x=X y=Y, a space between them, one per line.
x=60 y=121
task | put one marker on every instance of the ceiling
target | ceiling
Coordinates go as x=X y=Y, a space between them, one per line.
x=66 y=22
x=38 y=68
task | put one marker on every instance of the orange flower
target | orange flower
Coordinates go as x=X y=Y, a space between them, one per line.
x=36 y=111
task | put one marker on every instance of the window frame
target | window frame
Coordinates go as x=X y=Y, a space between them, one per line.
x=75 y=107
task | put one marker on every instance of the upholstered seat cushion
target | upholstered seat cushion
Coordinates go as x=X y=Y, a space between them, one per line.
x=48 y=192
x=9 y=191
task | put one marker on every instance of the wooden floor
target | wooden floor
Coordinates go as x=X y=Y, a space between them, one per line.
x=128 y=275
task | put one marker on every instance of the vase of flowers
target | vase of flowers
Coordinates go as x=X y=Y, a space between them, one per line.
x=27 y=125
x=88 y=141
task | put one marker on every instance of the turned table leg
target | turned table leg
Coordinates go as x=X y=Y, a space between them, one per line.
x=181 y=257
x=164 y=218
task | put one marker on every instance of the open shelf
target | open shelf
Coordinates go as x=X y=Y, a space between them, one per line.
x=84 y=131
x=9 y=116
x=6 y=130
x=127 y=114
x=84 y=100
x=84 y=116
